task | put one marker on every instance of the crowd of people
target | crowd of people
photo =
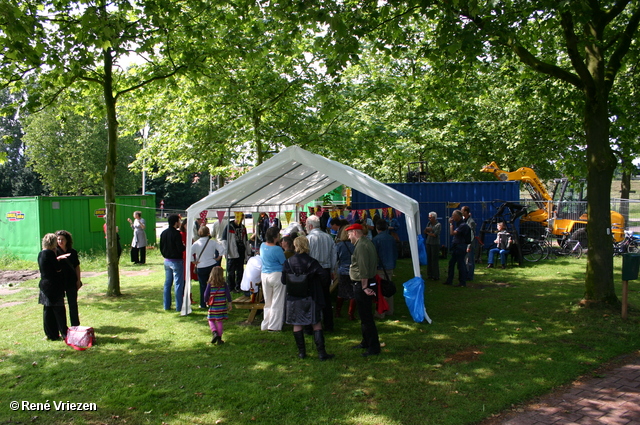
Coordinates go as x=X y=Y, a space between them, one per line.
x=294 y=269
x=464 y=246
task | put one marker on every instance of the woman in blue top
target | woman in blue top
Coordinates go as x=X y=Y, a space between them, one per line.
x=272 y=288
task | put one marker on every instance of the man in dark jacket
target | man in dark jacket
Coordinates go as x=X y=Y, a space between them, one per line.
x=387 y=255
x=171 y=247
x=461 y=233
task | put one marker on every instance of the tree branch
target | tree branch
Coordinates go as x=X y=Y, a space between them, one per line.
x=614 y=11
x=615 y=62
x=566 y=20
x=508 y=39
x=393 y=18
x=545 y=68
x=145 y=82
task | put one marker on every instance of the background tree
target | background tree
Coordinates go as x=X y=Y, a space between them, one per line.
x=80 y=43
x=66 y=145
x=243 y=101
x=582 y=44
x=16 y=178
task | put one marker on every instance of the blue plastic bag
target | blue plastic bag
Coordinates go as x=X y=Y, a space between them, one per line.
x=414 y=297
x=422 y=251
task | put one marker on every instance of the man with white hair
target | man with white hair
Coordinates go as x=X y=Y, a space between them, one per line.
x=433 y=246
x=323 y=249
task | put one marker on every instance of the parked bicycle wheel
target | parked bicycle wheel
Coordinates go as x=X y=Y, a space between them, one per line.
x=571 y=248
x=532 y=251
x=576 y=249
x=633 y=247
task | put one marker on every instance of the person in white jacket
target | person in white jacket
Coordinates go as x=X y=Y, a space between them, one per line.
x=206 y=253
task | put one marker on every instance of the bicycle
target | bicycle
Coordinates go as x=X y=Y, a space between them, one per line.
x=569 y=247
x=531 y=249
x=630 y=244
x=546 y=242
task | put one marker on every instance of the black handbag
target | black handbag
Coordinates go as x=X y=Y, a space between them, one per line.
x=388 y=287
x=298 y=285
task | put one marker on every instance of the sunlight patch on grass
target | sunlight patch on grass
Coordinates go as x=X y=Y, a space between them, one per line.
x=371 y=419
x=440 y=337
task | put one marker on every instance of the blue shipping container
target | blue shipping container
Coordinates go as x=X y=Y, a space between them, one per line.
x=443 y=197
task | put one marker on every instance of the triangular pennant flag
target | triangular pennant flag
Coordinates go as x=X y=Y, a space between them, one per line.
x=303 y=218
x=203 y=217
x=372 y=212
x=238 y=215
x=288 y=214
x=273 y=215
x=220 y=215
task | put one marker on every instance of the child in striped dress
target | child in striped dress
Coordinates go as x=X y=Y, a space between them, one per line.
x=219 y=303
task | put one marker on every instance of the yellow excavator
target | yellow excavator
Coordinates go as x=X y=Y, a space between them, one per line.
x=564 y=211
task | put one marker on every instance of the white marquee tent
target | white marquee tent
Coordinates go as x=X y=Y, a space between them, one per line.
x=293 y=178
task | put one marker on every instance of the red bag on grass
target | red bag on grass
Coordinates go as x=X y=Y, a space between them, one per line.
x=80 y=337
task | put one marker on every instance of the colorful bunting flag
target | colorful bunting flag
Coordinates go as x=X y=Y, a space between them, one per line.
x=203 y=217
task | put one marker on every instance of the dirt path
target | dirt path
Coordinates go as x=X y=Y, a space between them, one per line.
x=10 y=280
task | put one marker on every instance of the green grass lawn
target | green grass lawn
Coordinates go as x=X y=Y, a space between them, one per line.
x=515 y=334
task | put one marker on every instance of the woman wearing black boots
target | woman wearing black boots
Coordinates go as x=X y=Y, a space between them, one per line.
x=303 y=278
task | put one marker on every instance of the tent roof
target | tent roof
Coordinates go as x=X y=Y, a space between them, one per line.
x=295 y=177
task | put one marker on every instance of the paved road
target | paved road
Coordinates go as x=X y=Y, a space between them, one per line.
x=612 y=397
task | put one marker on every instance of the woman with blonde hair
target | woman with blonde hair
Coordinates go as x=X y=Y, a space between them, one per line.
x=52 y=289
x=344 y=251
x=303 y=277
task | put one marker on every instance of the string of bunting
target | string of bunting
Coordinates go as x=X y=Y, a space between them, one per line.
x=386 y=213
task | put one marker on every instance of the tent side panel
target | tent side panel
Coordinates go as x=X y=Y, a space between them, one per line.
x=20 y=228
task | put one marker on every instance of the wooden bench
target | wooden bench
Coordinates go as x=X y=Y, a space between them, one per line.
x=245 y=302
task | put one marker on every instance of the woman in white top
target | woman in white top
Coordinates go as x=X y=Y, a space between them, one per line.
x=139 y=242
x=206 y=254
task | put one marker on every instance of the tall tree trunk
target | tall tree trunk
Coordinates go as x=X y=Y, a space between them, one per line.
x=601 y=163
x=625 y=192
x=257 y=120
x=109 y=177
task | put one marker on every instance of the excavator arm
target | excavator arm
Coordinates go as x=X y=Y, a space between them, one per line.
x=526 y=175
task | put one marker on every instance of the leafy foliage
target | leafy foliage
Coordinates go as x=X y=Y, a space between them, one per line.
x=66 y=147
x=16 y=178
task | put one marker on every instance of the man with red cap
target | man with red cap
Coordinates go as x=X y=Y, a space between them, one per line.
x=364 y=266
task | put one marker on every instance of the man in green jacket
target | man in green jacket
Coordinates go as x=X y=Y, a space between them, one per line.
x=364 y=266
